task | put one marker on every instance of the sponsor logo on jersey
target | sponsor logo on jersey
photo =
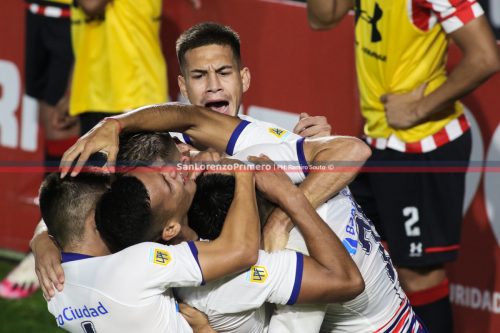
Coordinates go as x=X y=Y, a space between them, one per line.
x=160 y=257
x=278 y=132
x=350 y=244
x=71 y=313
x=257 y=274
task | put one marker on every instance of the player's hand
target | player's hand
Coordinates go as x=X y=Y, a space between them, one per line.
x=402 y=110
x=47 y=264
x=312 y=126
x=186 y=149
x=65 y=122
x=270 y=179
x=104 y=137
x=230 y=166
x=195 y=3
x=61 y=119
x=195 y=318
x=202 y=160
x=276 y=231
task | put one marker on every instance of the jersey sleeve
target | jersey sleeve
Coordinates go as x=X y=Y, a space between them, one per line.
x=163 y=267
x=249 y=133
x=275 y=278
x=284 y=286
x=287 y=155
x=181 y=137
x=453 y=14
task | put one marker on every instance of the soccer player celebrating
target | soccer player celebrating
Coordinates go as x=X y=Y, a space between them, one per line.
x=120 y=291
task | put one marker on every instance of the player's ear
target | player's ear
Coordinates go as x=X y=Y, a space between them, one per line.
x=245 y=78
x=181 y=81
x=171 y=230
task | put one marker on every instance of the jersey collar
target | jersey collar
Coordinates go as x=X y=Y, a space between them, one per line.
x=69 y=256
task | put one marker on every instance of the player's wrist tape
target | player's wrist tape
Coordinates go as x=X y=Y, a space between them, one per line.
x=116 y=121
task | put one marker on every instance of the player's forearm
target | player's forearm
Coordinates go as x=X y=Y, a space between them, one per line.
x=466 y=77
x=336 y=162
x=340 y=277
x=41 y=238
x=202 y=125
x=40 y=230
x=204 y=329
x=325 y=14
x=480 y=61
x=237 y=246
x=158 y=117
x=241 y=229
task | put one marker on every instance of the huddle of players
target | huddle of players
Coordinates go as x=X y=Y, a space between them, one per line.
x=348 y=269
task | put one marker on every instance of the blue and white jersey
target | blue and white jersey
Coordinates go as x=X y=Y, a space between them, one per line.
x=251 y=132
x=259 y=132
x=383 y=298
x=129 y=291
x=234 y=303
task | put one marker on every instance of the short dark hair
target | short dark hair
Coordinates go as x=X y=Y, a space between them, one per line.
x=66 y=203
x=123 y=214
x=211 y=202
x=207 y=33
x=145 y=148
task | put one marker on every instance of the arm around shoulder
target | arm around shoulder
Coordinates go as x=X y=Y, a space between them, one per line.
x=329 y=275
x=237 y=247
x=344 y=155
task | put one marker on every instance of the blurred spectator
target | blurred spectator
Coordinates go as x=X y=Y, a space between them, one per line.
x=119 y=63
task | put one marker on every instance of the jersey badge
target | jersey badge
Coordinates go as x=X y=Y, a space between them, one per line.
x=160 y=257
x=257 y=274
x=278 y=132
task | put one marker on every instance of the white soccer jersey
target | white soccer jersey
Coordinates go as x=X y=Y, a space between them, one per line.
x=234 y=304
x=383 y=302
x=252 y=132
x=259 y=132
x=181 y=137
x=128 y=291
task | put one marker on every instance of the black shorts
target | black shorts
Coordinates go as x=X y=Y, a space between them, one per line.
x=418 y=214
x=48 y=58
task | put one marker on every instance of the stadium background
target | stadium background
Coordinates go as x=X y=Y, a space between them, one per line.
x=293 y=70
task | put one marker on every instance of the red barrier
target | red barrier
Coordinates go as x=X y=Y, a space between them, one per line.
x=19 y=141
x=293 y=70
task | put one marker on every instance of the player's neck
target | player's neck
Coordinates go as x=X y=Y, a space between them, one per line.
x=88 y=246
x=185 y=235
x=90 y=243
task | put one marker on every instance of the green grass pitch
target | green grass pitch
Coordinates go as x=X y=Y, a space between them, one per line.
x=29 y=315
